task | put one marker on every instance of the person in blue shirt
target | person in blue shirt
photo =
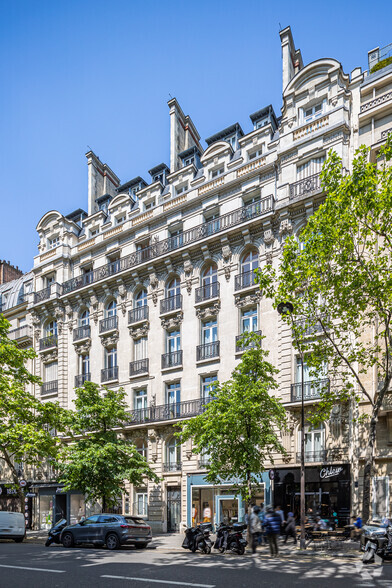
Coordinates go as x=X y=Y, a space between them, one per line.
x=357 y=530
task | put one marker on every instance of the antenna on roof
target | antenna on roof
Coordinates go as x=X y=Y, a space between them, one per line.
x=280 y=27
x=170 y=96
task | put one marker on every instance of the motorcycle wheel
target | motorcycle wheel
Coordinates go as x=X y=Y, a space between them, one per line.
x=234 y=548
x=368 y=556
x=193 y=548
x=221 y=549
x=241 y=550
x=49 y=541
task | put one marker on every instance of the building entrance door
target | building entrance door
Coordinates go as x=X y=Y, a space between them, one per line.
x=226 y=509
x=173 y=509
x=60 y=507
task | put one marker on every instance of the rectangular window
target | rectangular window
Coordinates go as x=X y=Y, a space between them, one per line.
x=85 y=364
x=313 y=112
x=141 y=399
x=173 y=393
x=189 y=161
x=149 y=205
x=50 y=371
x=207 y=386
x=141 y=504
x=93 y=232
x=310 y=168
x=140 y=348
x=50 y=280
x=120 y=219
x=212 y=223
x=182 y=188
x=54 y=242
x=176 y=238
x=214 y=173
x=308 y=376
x=380 y=496
x=173 y=341
x=111 y=357
x=209 y=332
x=249 y=320
x=256 y=154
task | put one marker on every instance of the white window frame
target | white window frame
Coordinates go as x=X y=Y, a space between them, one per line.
x=256 y=154
x=144 y=499
x=149 y=205
x=217 y=171
x=140 y=397
x=308 y=118
x=181 y=188
x=54 y=242
x=140 y=350
x=374 y=508
x=121 y=219
x=251 y=315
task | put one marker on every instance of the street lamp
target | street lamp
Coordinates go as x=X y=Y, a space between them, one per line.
x=286 y=308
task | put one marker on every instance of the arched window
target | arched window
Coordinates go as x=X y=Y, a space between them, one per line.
x=51 y=329
x=141 y=447
x=111 y=309
x=84 y=318
x=141 y=298
x=249 y=262
x=209 y=275
x=173 y=455
x=173 y=288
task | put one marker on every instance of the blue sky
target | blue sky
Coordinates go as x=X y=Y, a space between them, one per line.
x=77 y=75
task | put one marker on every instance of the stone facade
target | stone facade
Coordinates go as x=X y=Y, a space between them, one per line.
x=149 y=289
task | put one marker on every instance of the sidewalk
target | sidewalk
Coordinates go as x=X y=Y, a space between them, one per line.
x=173 y=541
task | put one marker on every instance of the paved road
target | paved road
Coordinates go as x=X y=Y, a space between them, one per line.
x=35 y=566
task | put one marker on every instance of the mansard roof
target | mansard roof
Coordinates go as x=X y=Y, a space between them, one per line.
x=319 y=68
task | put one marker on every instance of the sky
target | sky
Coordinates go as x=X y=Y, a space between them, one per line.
x=81 y=75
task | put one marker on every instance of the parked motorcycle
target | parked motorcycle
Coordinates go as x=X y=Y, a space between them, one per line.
x=374 y=541
x=198 y=538
x=230 y=538
x=55 y=532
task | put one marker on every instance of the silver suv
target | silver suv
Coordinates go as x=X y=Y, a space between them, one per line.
x=110 y=529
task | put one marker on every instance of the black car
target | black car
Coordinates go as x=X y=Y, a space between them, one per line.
x=110 y=529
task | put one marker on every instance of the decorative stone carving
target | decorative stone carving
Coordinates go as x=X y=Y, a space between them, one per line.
x=208 y=311
x=83 y=348
x=123 y=298
x=188 y=267
x=250 y=300
x=227 y=272
x=49 y=356
x=110 y=340
x=172 y=322
x=36 y=324
x=269 y=257
x=269 y=237
x=226 y=253
x=154 y=280
x=154 y=297
x=287 y=458
x=286 y=228
x=94 y=306
x=140 y=331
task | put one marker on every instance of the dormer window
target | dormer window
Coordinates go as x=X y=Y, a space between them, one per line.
x=188 y=161
x=214 y=173
x=182 y=188
x=149 y=205
x=313 y=112
x=120 y=219
x=233 y=141
x=256 y=154
x=94 y=231
x=54 y=242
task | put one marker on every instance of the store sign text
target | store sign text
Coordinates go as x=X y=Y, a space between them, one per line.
x=330 y=472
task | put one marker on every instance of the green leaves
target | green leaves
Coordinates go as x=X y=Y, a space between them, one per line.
x=239 y=428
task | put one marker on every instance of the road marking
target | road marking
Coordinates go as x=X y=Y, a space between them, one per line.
x=159 y=581
x=33 y=569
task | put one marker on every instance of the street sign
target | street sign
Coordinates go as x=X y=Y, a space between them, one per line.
x=22 y=483
x=271 y=474
x=30 y=495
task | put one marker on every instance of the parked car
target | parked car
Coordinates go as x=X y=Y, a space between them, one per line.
x=110 y=529
x=12 y=526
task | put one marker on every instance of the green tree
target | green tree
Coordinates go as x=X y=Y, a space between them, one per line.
x=98 y=459
x=339 y=281
x=238 y=429
x=25 y=422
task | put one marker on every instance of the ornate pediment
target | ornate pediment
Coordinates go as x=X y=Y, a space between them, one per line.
x=208 y=311
x=139 y=331
x=249 y=300
x=172 y=322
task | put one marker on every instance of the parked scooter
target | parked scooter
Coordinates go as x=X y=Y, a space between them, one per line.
x=374 y=541
x=55 y=532
x=198 y=538
x=230 y=538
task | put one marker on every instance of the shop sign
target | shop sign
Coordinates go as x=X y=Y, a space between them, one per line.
x=30 y=495
x=22 y=483
x=8 y=491
x=330 y=472
x=271 y=474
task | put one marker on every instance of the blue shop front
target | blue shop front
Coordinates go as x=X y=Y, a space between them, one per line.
x=216 y=504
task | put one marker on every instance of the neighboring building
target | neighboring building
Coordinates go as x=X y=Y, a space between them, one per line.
x=150 y=289
x=8 y=272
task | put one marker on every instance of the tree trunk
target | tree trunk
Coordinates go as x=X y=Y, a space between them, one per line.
x=369 y=465
x=249 y=507
x=103 y=503
x=15 y=478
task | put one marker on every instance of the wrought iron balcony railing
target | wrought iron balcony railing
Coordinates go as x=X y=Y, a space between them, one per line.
x=171 y=359
x=239 y=346
x=138 y=367
x=48 y=342
x=171 y=303
x=52 y=290
x=226 y=221
x=49 y=387
x=311 y=456
x=81 y=379
x=172 y=466
x=244 y=280
x=207 y=292
x=83 y=332
x=305 y=329
x=109 y=374
x=108 y=324
x=312 y=389
x=202 y=462
x=22 y=333
x=166 y=412
x=207 y=351
x=138 y=314
x=305 y=186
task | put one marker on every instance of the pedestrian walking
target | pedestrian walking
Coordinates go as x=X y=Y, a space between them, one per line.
x=272 y=526
x=290 y=530
x=255 y=527
x=280 y=512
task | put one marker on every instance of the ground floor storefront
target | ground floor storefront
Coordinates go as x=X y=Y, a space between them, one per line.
x=327 y=491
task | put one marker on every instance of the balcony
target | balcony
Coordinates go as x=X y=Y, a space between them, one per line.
x=109 y=374
x=305 y=187
x=138 y=315
x=83 y=332
x=167 y=412
x=108 y=324
x=240 y=347
x=203 y=462
x=48 y=342
x=171 y=304
x=22 y=335
x=53 y=290
x=245 y=280
x=207 y=351
x=376 y=101
x=198 y=233
x=80 y=380
x=170 y=360
x=306 y=330
x=138 y=367
x=49 y=388
x=207 y=292
x=172 y=466
x=312 y=390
